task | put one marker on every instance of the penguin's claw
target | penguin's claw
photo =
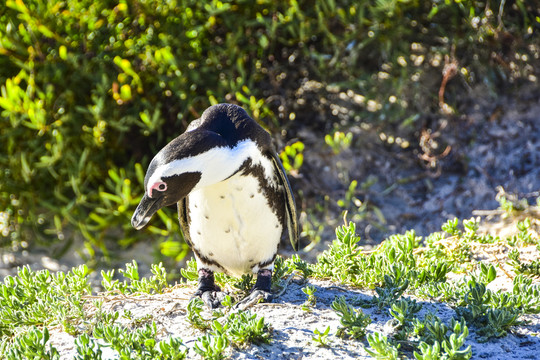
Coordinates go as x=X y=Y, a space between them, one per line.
x=256 y=296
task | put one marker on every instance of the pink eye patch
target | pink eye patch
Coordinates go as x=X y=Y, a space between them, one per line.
x=159 y=186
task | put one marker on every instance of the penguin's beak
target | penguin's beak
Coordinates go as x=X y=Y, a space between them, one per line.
x=147 y=207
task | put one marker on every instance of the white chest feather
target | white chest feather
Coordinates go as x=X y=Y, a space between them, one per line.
x=232 y=224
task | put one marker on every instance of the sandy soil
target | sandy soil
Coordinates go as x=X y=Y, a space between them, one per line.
x=293 y=327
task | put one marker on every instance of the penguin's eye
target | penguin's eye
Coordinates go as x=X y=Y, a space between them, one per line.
x=158 y=186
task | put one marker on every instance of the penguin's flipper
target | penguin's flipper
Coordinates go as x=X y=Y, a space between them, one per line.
x=184 y=220
x=290 y=207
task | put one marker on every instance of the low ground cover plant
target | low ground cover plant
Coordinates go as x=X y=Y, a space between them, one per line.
x=402 y=270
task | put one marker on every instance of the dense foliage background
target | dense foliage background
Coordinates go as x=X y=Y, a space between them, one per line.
x=91 y=89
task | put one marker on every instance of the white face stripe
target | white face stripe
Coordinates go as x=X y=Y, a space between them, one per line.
x=215 y=165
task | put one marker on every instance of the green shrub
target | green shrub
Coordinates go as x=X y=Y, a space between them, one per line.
x=91 y=89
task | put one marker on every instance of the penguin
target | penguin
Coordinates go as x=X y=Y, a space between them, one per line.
x=233 y=197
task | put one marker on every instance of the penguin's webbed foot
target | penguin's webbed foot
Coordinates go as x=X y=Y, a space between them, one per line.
x=212 y=298
x=256 y=296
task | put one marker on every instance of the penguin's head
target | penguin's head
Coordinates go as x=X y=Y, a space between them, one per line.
x=174 y=172
x=164 y=185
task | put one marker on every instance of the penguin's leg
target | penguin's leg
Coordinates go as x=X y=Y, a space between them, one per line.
x=261 y=292
x=207 y=290
x=263 y=285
